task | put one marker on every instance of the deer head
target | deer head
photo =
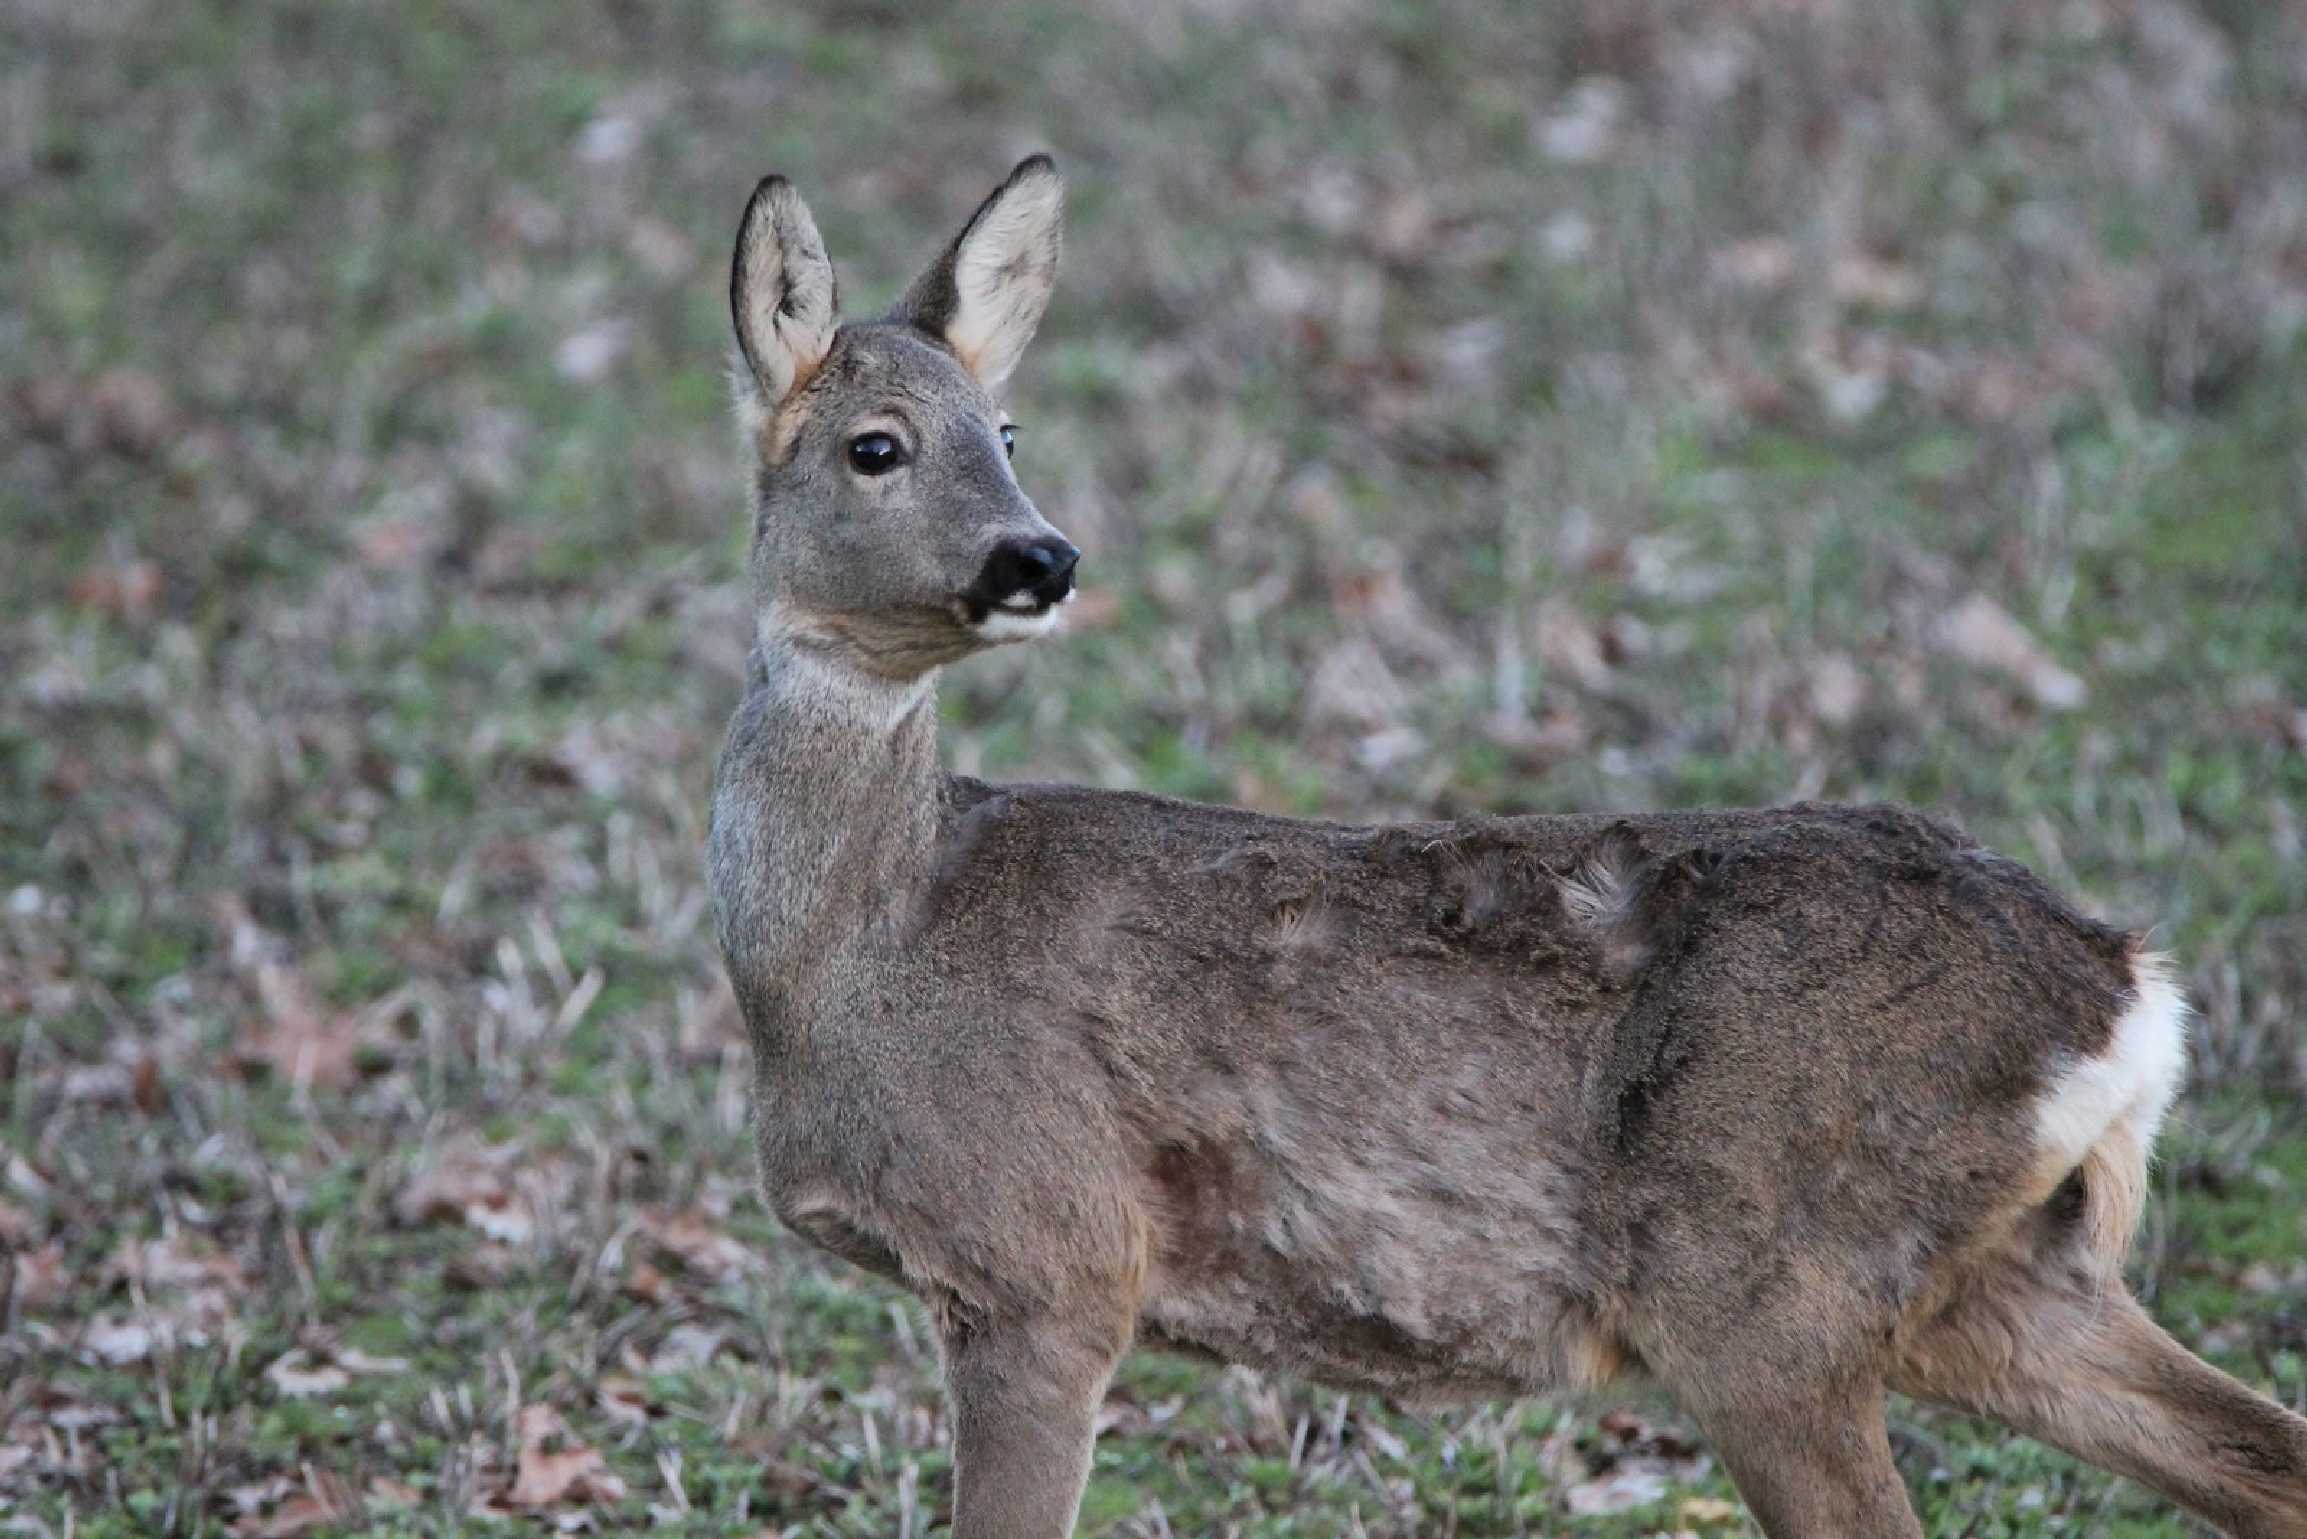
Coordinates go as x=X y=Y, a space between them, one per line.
x=890 y=532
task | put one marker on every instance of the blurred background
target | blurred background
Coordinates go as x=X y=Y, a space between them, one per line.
x=1604 y=404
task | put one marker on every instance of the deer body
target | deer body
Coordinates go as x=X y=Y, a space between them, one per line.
x=1773 y=1108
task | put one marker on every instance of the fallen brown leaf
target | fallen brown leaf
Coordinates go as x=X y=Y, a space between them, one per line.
x=1632 y=1465
x=774 y=1474
x=388 y=1493
x=398 y=543
x=1352 y=687
x=131 y=411
x=300 y=1514
x=1569 y=645
x=701 y=1246
x=483 y=1267
x=554 y=1468
x=118 y=1342
x=296 y=1039
x=128 y=591
x=1982 y=633
x=41 y=1276
x=1663 y=1447
x=148 y=1092
x=1838 y=690
x=660 y=248
x=686 y=1347
x=2266 y=1277
x=321 y=1369
x=473 y=1185
x=354 y=1360
x=184 y=1259
x=256 y=1495
x=646 y=1283
x=1760 y=262
x=1859 y=279
x=296 y=1374
x=624 y=1399
x=324 y=1499
x=1621 y=1490
x=59 y=1409
x=1376 y=594
x=193 y=1288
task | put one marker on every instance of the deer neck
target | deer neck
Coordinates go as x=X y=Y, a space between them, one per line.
x=826 y=824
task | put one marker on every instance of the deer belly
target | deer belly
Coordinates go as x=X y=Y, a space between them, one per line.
x=1378 y=1274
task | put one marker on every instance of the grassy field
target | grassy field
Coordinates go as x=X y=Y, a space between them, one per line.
x=1608 y=404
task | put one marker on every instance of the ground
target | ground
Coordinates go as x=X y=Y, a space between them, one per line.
x=1462 y=406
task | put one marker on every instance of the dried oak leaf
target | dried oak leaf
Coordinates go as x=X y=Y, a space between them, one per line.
x=1982 y=633
x=324 y=1499
x=645 y=1283
x=553 y=1468
x=322 y=1368
x=1706 y=1511
x=703 y=1248
x=128 y=591
x=472 y=1185
x=185 y=1259
x=1621 y=1490
x=294 y=1038
x=40 y=1276
x=297 y=1373
x=17 y=1228
x=116 y=1342
x=624 y=1399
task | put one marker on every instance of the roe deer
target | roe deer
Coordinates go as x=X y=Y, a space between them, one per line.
x=1773 y=1109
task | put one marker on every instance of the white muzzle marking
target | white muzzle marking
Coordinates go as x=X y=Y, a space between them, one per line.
x=1021 y=617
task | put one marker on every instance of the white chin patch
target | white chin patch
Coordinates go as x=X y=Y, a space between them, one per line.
x=1021 y=623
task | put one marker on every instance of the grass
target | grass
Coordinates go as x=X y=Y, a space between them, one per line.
x=1462 y=409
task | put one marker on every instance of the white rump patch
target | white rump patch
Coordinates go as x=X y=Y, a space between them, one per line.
x=2124 y=1091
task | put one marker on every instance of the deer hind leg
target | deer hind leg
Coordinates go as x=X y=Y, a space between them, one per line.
x=1025 y=1400
x=2078 y=1364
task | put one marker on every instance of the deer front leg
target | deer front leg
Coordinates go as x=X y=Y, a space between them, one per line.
x=1025 y=1397
x=1814 y=1464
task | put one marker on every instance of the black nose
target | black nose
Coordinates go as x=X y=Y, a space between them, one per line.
x=1041 y=569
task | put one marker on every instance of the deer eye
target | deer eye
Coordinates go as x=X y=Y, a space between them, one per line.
x=875 y=454
x=1009 y=441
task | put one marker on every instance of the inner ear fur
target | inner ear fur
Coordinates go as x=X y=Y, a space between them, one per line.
x=984 y=296
x=783 y=297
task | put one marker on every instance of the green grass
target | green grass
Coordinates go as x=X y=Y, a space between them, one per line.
x=374 y=605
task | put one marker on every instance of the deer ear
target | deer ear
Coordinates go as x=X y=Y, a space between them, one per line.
x=781 y=293
x=985 y=295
